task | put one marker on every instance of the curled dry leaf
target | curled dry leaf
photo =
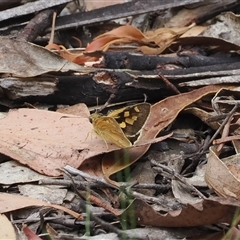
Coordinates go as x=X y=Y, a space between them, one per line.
x=78 y=58
x=153 y=42
x=163 y=38
x=160 y=38
x=222 y=178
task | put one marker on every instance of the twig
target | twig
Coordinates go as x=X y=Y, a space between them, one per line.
x=178 y=177
x=68 y=183
x=196 y=160
x=168 y=83
x=88 y=176
x=230 y=114
x=168 y=206
x=104 y=225
x=36 y=25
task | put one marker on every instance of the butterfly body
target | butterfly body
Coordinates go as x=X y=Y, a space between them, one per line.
x=122 y=126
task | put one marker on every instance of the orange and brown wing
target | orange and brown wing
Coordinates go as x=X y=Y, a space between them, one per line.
x=108 y=129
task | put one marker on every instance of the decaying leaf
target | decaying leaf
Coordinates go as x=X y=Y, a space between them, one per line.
x=208 y=211
x=12 y=173
x=152 y=42
x=223 y=179
x=11 y=202
x=24 y=59
x=48 y=193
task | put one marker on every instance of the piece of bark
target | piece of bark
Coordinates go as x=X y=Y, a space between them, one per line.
x=126 y=60
x=100 y=84
x=88 y=88
x=30 y=8
x=5 y=4
x=13 y=20
x=132 y=8
x=220 y=6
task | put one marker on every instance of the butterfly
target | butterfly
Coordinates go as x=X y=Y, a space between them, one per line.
x=122 y=126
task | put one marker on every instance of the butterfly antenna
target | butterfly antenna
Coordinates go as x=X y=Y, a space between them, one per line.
x=112 y=96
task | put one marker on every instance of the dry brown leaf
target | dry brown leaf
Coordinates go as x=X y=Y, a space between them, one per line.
x=24 y=59
x=162 y=38
x=204 y=116
x=194 y=31
x=205 y=212
x=78 y=58
x=216 y=43
x=162 y=114
x=123 y=34
x=126 y=31
x=220 y=177
x=12 y=202
x=46 y=141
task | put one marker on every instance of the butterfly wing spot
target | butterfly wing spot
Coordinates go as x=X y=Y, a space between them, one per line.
x=130 y=120
x=136 y=109
x=122 y=125
x=126 y=114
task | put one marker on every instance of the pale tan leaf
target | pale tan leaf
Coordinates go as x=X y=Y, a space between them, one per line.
x=46 y=141
x=6 y=228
